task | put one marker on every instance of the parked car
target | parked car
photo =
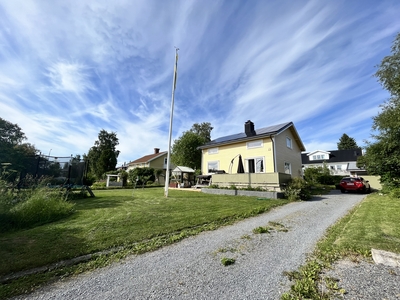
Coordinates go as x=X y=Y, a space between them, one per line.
x=355 y=184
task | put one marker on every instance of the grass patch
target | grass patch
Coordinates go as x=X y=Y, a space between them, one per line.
x=372 y=224
x=227 y=261
x=261 y=229
x=136 y=221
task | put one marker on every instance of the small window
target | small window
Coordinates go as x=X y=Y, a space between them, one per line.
x=288 y=168
x=289 y=142
x=255 y=144
x=212 y=166
x=213 y=151
x=339 y=167
x=165 y=161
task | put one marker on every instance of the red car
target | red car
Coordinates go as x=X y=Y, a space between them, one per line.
x=356 y=184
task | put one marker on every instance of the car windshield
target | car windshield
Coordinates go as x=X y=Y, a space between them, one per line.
x=350 y=179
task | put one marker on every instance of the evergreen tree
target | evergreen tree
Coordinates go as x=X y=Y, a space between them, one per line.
x=347 y=143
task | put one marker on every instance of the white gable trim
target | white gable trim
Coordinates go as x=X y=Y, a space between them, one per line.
x=318 y=151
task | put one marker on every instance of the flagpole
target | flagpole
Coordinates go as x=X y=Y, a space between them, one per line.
x=170 y=123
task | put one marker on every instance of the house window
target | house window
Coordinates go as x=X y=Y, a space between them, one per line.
x=213 y=151
x=255 y=165
x=288 y=168
x=212 y=166
x=165 y=161
x=254 y=144
x=289 y=143
x=339 y=167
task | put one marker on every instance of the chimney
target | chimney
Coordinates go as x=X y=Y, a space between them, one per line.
x=249 y=128
x=156 y=150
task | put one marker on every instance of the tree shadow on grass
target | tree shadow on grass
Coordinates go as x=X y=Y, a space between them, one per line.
x=96 y=203
x=39 y=247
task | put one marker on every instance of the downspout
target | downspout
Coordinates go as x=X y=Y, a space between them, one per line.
x=273 y=152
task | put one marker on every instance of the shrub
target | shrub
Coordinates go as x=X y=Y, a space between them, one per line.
x=395 y=193
x=297 y=189
x=99 y=185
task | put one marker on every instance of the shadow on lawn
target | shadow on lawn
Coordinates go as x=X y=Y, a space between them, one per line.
x=34 y=248
x=96 y=203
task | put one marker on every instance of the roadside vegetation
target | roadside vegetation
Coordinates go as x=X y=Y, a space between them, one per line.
x=372 y=224
x=114 y=224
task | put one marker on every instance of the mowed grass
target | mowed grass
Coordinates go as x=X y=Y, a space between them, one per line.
x=375 y=223
x=117 y=218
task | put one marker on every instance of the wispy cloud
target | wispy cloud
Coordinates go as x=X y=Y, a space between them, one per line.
x=68 y=70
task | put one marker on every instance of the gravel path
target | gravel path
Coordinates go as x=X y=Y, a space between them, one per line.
x=365 y=280
x=192 y=269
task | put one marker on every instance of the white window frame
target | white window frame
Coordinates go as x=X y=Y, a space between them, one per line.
x=287 y=166
x=213 y=162
x=212 y=151
x=255 y=144
x=257 y=165
x=289 y=143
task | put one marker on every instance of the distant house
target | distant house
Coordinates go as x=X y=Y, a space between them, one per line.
x=156 y=160
x=270 y=156
x=339 y=162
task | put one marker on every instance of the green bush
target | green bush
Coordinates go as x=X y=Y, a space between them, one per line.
x=395 y=193
x=297 y=189
x=320 y=175
x=99 y=185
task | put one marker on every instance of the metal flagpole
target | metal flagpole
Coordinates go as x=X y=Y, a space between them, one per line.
x=170 y=122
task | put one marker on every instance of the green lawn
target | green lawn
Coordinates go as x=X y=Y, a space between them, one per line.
x=122 y=218
x=375 y=223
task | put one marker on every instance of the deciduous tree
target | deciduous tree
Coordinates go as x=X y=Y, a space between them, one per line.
x=184 y=150
x=103 y=155
x=383 y=154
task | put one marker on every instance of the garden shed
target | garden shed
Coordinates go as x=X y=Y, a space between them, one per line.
x=182 y=176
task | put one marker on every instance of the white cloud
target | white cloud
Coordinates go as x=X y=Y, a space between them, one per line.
x=67 y=70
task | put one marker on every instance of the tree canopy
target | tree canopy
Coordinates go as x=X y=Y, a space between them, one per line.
x=103 y=155
x=15 y=156
x=347 y=143
x=383 y=155
x=184 y=150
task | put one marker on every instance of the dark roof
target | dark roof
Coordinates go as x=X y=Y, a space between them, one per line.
x=262 y=132
x=147 y=158
x=334 y=156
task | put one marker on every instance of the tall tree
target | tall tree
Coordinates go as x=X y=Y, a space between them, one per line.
x=203 y=130
x=103 y=155
x=346 y=143
x=18 y=156
x=383 y=155
x=184 y=150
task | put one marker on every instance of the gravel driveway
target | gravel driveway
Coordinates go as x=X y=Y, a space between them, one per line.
x=192 y=269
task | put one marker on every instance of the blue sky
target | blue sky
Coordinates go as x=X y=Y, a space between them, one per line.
x=71 y=68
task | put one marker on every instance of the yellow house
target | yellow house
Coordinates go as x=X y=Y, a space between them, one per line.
x=270 y=156
x=156 y=160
